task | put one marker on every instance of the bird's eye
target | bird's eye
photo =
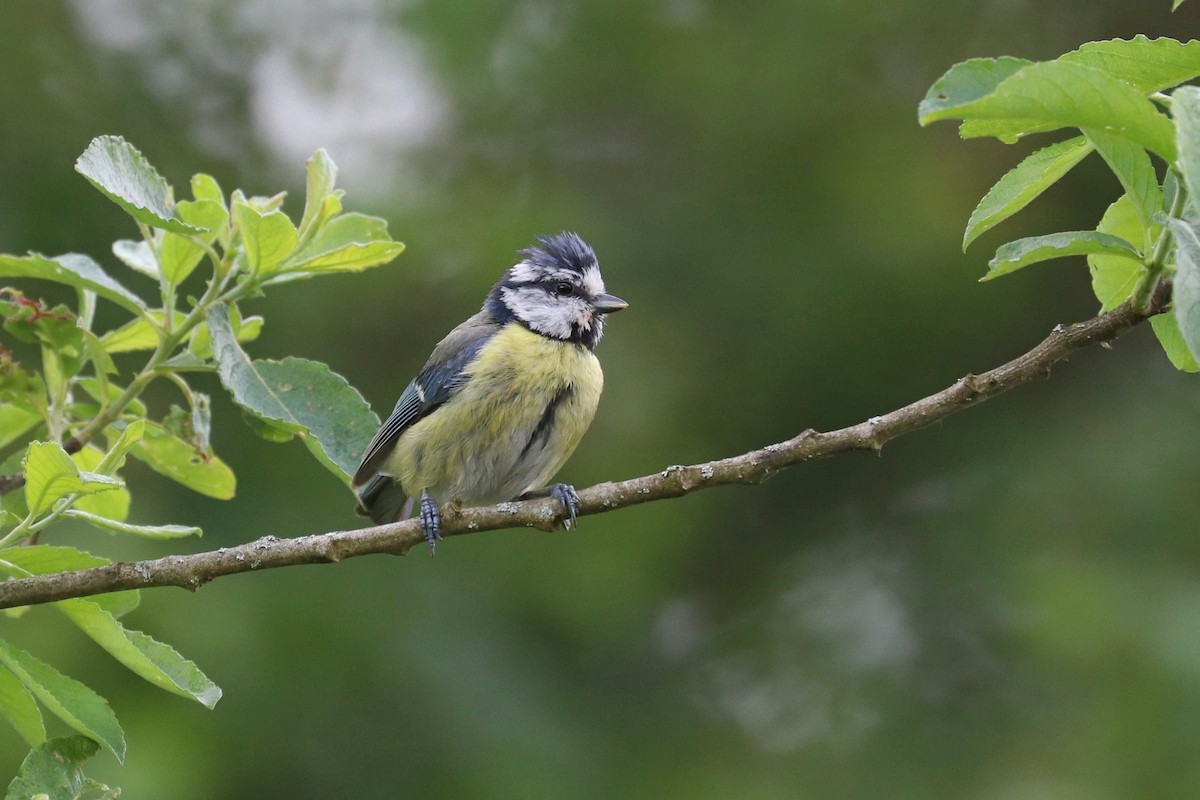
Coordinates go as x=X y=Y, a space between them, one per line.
x=563 y=288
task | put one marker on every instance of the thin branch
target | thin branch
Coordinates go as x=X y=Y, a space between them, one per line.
x=193 y=571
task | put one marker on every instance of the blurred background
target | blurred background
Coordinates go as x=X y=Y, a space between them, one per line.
x=1006 y=605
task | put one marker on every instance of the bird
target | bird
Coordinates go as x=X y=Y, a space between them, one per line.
x=503 y=400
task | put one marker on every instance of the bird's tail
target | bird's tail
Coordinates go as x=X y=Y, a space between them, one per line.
x=383 y=500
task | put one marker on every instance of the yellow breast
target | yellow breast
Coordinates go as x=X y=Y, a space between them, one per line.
x=525 y=406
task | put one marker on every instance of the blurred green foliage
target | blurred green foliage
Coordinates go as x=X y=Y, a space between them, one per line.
x=1004 y=606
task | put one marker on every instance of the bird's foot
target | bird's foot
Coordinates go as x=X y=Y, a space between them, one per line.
x=431 y=521
x=565 y=493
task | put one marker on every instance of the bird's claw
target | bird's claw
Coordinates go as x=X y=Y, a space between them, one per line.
x=565 y=493
x=431 y=521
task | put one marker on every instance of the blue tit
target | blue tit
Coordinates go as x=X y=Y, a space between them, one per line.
x=503 y=400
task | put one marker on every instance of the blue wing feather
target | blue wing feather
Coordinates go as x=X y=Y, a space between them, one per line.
x=436 y=384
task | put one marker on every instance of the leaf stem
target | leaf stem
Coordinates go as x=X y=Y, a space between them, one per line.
x=1156 y=263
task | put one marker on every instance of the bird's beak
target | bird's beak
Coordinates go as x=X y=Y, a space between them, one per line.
x=608 y=303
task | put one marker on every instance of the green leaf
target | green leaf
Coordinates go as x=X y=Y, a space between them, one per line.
x=18 y=707
x=1176 y=4
x=1021 y=185
x=107 y=393
x=21 y=562
x=158 y=663
x=205 y=187
x=137 y=334
x=180 y=254
x=302 y=395
x=1187 y=282
x=127 y=529
x=1185 y=106
x=1166 y=329
x=72 y=269
x=967 y=81
x=266 y=238
x=1008 y=131
x=1150 y=65
x=348 y=243
x=15 y=421
x=136 y=255
x=112 y=504
x=176 y=459
x=1067 y=95
x=1131 y=164
x=51 y=474
x=322 y=174
x=114 y=459
x=123 y=175
x=1023 y=252
x=1115 y=277
x=53 y=771
x=67 y=698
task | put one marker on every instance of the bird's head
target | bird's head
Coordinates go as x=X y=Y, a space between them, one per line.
x=556 y=290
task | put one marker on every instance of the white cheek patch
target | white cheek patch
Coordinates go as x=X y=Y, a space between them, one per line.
x=541 y=312
x=593 y=284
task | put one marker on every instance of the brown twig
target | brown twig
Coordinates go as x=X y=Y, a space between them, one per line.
x=193 y=571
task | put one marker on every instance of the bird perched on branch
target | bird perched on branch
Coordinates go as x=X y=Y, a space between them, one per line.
x=503 y=400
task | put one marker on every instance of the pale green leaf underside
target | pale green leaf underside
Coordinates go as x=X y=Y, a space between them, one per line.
x=1166 y=330
x=1185 y=107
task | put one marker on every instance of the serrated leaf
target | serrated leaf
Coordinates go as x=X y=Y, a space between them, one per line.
x=18 y=707
x=350 y=242
x=53 y=771
x=123 y=175
x=21 y=562
x=267 y=239
x=1062 y=94
x=1166 y=330
x=1115 y=277
x=136 y=255
x=50 y=474
x=1131 y=164
x=128 y=529
x=154 y=661
x=1150 y=65
x=1023 y=184
x=1185 y=107
x=67 y=698
x=1187 y=282
x=181 y=254
x=299 y=393
x=1031 y=250
x=71 y=269
x=174 y=458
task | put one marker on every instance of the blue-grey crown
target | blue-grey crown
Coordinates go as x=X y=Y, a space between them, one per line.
x=561 y=251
